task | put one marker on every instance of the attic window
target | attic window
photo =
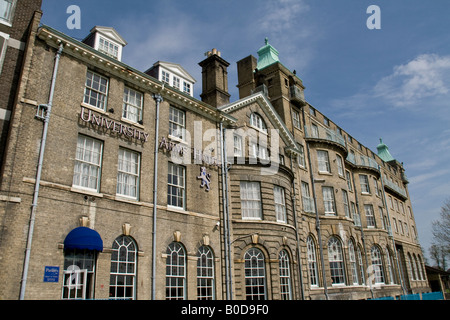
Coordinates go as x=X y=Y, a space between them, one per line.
x=107 y=47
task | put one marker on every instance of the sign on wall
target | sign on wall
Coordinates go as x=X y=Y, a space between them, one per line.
x=51 y=274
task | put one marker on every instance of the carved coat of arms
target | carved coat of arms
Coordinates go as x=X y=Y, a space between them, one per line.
x=205 y=177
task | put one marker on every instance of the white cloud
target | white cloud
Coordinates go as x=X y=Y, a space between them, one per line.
x=425 y=80
x=427 y=76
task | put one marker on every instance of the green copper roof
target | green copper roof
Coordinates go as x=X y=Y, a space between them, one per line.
x=268 y=55
x=383 y=152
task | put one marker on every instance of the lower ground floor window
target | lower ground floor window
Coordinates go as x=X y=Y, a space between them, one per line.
x=79 y=274
x=255 y=277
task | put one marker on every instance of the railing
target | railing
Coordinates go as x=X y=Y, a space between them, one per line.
x=316 y=132
x=297 y=94
x=395 y=187
x=363 y=161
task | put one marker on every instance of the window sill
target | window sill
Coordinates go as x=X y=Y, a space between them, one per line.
x=89 y=192
x=176 y=139
x=94 y=108
x=136 y=124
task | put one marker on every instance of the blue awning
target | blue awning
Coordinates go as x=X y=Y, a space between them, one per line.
x=83 y=238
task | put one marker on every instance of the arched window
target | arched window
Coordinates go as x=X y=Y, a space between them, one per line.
x=257 y=121
x=422 y=272
x=123 y=269
x=255 y=275
x=377 y=265
x=175 y=272
x=390 y=266
x=413 y=267
x=336 y=260
x=360 y=265
x=205 y=274
x=285 y=275
x=417 y=266
x=351 y=251
x=312 y=262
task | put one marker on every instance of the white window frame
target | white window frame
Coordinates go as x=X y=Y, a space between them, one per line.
x=364 y=182
x=177 y=123
x=307 y=200
x=352 y=256
x=176 y=82
x=377 y=265
x=329 y=203
x=128 y=173
x=323 y=161
x=301 y=156
x=370 y=216
x=96 y=92
x=90 y=159
x=349 y=181
x=251 y=206
x=336 y=261
x=176 y=271
x=205 y=274
x=187 y=87
x=3 y=48
x=109 y=47
x=296 y=119
x=285 y=275
x=258 y=123
x=255 y=275
x=8 y=18
x=165 y=76
x=177 y=183
x=340 y=165
x=312 y=263
x=123 y=268
x=346 y=203
x=237 y=144
x=132 y=105
x=280 y=204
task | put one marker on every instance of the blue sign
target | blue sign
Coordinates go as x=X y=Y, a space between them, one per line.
x=51 y=274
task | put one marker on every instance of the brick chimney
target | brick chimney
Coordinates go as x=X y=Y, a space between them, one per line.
x=214 y=79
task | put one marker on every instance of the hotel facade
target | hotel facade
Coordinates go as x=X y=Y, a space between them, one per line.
x=119 y=184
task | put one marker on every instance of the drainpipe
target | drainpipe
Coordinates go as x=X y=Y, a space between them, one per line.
x=362 y=233
x=47 y=109
x=294 y=205
x=319 y=235
x=158 y=98
x=226 y=227
x=390 y=235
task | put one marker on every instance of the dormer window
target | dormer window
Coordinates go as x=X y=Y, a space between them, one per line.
x=108 y=47
x=173 y=75
x=106 y=40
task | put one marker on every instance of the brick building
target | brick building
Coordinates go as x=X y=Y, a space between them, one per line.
x=140 y=191
x=16 y=21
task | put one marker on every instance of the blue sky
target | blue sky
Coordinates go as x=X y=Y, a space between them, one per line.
x=391 y=83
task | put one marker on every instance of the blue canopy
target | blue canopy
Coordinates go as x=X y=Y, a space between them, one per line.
x=83 y=238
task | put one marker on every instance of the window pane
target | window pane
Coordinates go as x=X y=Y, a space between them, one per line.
x=88 y=159
x=255 y=278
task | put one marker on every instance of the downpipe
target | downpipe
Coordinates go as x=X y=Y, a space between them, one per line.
x=158 y=98
x=48 y=109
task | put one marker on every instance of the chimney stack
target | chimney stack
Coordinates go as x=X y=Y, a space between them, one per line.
x=214 y=79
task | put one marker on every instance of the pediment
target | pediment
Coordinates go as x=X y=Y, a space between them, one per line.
x=176 y=69
x=109 y=33
x=266 y=107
